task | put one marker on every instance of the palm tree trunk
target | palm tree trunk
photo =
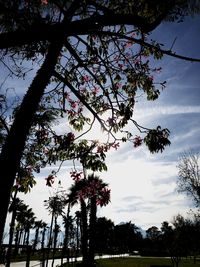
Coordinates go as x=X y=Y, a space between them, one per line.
x=55 y=240
x=13 y=148
x=93 y=211
x=27 y=237
x=43 y=238
x=77 y=236
x=24 y=237
x=17 y=233
x=50 y=240
x=65 y=244
x=36 y=239
x=42 y=246
x=84 y=233
x=11 y=233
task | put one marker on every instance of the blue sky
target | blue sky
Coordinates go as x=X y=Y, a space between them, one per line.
x=143 y=185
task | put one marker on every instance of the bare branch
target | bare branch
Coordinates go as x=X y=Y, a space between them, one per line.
x=143 y=43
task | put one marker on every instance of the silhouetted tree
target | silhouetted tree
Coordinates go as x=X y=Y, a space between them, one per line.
x=189 y=176
x=81 y=47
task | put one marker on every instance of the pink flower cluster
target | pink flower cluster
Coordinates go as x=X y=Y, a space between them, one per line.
x=93 y=188
x=137 y=141
x=76 y=176
x=44 y=2
x=50 y=180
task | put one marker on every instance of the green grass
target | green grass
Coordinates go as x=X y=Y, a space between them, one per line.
x=140 y=262
x=143 y=262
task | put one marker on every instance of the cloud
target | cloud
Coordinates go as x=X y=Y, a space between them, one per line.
x=131 y=198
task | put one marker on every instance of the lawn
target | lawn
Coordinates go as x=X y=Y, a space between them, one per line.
x=143 y=262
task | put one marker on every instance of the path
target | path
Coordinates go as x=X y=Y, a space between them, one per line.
x=57 y=262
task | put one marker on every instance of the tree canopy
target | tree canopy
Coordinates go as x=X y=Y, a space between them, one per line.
x=189 y=176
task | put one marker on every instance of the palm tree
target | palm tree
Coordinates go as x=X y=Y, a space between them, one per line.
x=25 y=218
x=99 y=194
x=29 y=222
x=44 y=229
x=75 y=197
x=67 y=221
x=38 y=225
x=78 y=219
x=93 y=189
x=56 y=230
x=55 y=205
x=15 y=207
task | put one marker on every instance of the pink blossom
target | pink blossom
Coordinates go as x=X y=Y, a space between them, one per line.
x=95 y=90
x=86 y=78
x=121 y=66
x=118 y=85
x=71 y=136
x=128 y=44
x=50 y=180
x=115 y=145
x=44 y=2
x=137 y=141
x=111 y=121
x=104 y=197
x=73 y=104
x=76 y=176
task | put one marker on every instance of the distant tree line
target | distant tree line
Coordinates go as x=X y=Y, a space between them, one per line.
x=63 y=238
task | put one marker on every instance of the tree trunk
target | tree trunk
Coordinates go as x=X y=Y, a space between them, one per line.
x=92 y=226
x=11 y=233
x=36 y=239
x=13 y=148
x=66 y=238
x=42 y=246
x=43 y=237
x=54 y=240
x=27 y=237
x=50 y=240
x=77 y=237
x=84 y=233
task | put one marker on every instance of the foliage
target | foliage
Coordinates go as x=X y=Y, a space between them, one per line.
x=189 y=176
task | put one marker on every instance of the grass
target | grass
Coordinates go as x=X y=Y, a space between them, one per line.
x=141 y=262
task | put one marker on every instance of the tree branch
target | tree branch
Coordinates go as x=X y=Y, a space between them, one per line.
x=44 y=32
x=143 y=43
x=76 y=93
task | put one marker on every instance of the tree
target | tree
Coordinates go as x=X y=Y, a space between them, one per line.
x=68 y=224
x=104 y=235
x=55 y=205
x=152 y=242
x=189 y=176
x=93 y=189
x=126 y=237
x=182 y=238
x=153 y=233
x=38 y=225
x=83 y=46
x=167 y=237
x=15 y=207
x=28 y=224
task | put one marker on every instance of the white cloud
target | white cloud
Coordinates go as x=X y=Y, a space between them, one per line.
x=156 y=109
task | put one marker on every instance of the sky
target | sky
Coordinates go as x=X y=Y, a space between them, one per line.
x=143 y=185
